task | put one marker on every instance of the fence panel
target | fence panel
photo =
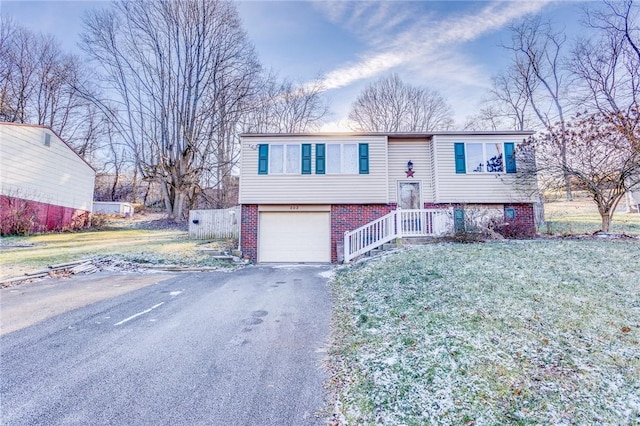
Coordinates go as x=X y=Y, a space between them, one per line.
x=208 y=224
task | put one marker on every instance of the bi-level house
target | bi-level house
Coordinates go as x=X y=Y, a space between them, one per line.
x=331 y=197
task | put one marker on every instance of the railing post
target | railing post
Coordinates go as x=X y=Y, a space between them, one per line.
x=398 y=216
x=347 y=248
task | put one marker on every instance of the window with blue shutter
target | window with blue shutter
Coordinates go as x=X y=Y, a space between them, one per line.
x=363 y=151
x=320 y=159
x=510 y=156
x=458 y=148
x=306 y=158
x=458 y=220
x=263 y=159
x=509 y=213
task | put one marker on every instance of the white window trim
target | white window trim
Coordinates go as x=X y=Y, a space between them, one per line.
x=284 y=159
x=484 y=156
x=342 y=172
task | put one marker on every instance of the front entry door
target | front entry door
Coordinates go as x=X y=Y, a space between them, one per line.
x=409 y=195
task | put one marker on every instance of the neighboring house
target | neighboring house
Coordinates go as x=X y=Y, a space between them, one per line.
x=42 y=180
x=113 y=207
x=300 y=193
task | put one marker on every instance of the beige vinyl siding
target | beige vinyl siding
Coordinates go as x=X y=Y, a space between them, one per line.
x=470 y=187
x=312 y=188
x=49 y=174
x=419 y=152
x=434 y=177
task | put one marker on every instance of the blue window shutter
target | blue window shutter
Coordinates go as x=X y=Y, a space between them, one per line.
x=363 y=151
x=458 y=148
x=306 y=158
x=263 y=159
x=509 y=213
x=510 y=156
x=458 y=220
x=320 y=156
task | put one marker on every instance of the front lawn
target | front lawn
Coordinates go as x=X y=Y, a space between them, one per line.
x=535 y=332
x=19 y=255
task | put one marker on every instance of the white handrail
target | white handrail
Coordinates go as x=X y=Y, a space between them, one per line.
x=397 y=224
x=369 y=236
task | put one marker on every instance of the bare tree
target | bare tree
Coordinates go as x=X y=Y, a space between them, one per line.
x=177 y=74
x=602 y=157
x=608 y=64
x=38 y=86
x=282 y=106
x=538 y=76
x=490 y=117
x=389 y=105
x=514 y=89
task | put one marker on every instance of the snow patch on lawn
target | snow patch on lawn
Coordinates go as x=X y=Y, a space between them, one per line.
x=490 y=333
x=327 y=274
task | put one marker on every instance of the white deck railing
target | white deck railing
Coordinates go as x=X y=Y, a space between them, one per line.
x=397 y=224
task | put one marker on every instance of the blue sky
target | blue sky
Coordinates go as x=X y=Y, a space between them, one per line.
x=450 y=46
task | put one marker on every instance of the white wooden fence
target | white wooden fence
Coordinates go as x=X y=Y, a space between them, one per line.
x=208 y=224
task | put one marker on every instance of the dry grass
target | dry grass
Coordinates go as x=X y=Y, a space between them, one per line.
x=580 y=216
x=25 y=254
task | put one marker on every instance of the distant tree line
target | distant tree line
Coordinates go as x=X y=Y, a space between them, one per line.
x=167 y=89
x=164 y=89
x=582 y=96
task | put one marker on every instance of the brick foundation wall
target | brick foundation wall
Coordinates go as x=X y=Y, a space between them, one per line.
x=347 y=217
x=249 y=231
x=525 y=216
x=35 y=216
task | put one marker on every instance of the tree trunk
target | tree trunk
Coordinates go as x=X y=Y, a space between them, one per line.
x=606 y=221
x=134 y=186
x=168 y=201
x=178 y=202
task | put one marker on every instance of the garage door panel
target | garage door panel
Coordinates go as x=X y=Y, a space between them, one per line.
x=294 y=237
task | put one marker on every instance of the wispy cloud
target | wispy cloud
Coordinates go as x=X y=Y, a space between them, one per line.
x=413 y=39
x=366 y=68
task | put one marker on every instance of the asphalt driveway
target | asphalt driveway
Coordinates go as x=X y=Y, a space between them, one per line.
x=241 y=348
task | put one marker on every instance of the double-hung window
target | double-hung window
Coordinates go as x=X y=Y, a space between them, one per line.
x=485 y=157
x=342 y=159
x=279 y=159
x=329 y=159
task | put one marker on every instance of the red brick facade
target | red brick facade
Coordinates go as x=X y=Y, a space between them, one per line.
x=524 y=214
x=347 y=217
x=249 y=232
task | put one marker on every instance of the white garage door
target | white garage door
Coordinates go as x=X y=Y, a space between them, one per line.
x=294 y=237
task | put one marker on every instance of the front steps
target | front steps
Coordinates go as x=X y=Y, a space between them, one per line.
x=400 y=242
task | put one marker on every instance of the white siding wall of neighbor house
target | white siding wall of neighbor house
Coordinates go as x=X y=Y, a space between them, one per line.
x=451 y=187
x=51 y=174
x=313 y=188
x=418 y=151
